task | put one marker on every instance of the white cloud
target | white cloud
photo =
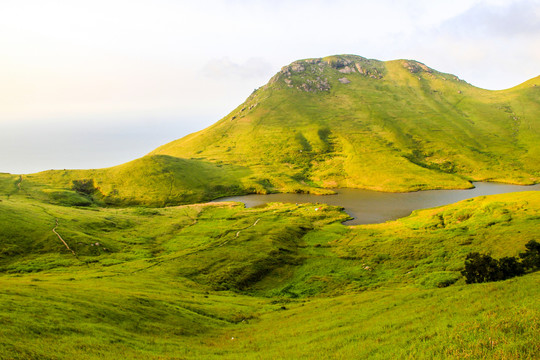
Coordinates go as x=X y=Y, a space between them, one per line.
x=517 y=18
x=117 y=59
x=484 y=44
x=225 y=68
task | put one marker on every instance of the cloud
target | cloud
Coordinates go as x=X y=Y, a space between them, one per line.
x=489 y=43
x=519 y=18
x=224 y=68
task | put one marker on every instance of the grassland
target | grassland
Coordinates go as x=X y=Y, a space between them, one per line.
x=340 y=121
x=158 y=180
x=275 y=282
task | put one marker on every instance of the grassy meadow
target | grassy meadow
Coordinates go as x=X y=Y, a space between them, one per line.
x=279 y=281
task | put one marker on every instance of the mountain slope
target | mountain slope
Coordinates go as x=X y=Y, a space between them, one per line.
x=340 y=121
x=397 y=126
x=157 y=180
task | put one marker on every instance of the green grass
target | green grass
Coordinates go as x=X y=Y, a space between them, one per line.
x=157 y=180
x=285 y=281
x=396 y=126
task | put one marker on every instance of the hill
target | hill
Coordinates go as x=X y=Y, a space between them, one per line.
x=346 y=121
x=281 y=281
x=339 y=121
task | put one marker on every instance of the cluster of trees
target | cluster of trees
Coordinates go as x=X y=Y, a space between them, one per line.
x=482 y=268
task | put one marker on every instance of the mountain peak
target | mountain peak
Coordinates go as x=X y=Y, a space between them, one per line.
x=321 y=74
x=317 y=74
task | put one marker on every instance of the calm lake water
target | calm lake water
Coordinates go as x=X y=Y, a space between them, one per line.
x=369 y=207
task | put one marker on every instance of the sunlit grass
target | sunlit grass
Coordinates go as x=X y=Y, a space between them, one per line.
x=202 y=281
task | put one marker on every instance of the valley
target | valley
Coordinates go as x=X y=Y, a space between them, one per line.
x=371 y=207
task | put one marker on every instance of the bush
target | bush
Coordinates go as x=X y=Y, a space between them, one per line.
x=509 y=267
x=482 y=268
x=531 y=257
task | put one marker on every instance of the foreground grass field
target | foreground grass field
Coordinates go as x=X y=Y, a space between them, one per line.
x=275 y=282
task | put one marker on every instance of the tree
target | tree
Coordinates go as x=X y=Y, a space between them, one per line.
x=84 y=186
x=481 y=268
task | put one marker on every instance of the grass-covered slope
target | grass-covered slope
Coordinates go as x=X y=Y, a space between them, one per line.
x=280 y=281
x=156 y=180
x=340 y=121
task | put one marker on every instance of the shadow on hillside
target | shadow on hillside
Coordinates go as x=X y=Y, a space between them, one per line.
x=153 y=180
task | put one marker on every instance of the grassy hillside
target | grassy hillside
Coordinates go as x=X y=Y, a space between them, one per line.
x=345 y=121
x=339 y=121
x=279 y=281
x=157 y=180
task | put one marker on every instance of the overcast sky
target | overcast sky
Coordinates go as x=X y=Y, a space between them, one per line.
x=86 y=84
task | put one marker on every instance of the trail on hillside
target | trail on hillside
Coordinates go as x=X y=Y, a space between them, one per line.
x=195 y=251
x=56 y=219
x=255 y=223
x=239 y=231
x=194 y=221
x=65 y=244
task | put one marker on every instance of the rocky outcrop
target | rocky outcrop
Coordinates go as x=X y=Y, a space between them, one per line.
x=415 y=67
x=371 y=72
x=297 y=67
x=304 y=75
x=315 y=75
x=347 y=70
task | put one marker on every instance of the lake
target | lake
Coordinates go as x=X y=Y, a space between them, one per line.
x=370 y=207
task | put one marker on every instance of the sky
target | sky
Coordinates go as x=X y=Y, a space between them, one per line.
x=89 y=84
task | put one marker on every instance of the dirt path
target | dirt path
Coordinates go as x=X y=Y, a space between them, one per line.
x=239 y=231
x=196 y=251
x=19 y=183
x=255 y=223
x=57 y=234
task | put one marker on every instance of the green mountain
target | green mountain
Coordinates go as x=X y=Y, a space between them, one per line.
x=340 y=121
x=394 y=126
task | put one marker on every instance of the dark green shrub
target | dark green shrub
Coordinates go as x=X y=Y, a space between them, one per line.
x=509 y=267
x=480 y=268
x=84 y=186
x=531 y=257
